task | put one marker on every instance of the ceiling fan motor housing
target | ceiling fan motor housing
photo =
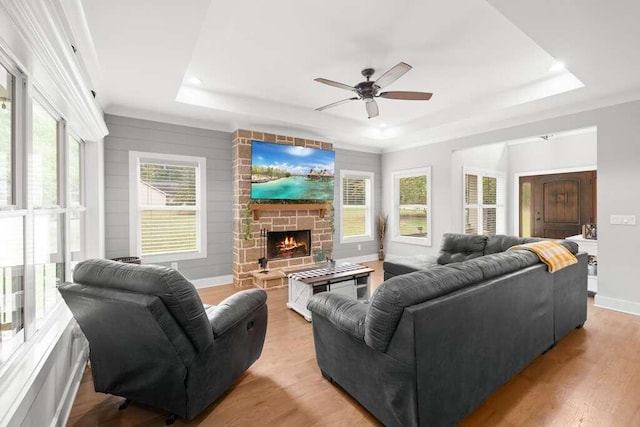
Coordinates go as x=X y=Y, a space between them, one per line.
x=366 y=90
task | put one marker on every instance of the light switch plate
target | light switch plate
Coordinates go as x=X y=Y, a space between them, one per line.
x=623 y=219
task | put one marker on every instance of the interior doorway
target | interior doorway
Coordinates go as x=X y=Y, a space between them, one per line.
x=556 y=205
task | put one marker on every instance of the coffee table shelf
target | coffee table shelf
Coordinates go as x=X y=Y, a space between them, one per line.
x=352 y=280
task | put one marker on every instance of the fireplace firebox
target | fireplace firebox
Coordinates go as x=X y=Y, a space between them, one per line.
x=288 y=244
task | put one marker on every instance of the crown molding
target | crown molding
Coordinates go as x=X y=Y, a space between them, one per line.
x=54 y=69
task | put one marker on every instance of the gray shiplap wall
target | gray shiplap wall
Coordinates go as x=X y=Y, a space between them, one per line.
x=362 y=162
x=127 y=134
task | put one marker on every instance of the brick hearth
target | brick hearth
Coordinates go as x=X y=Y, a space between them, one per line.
x=247 y=251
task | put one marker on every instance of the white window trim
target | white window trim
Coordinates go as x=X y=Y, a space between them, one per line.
x=135 y=158
x=395 y=217
x=501 y=226
x=369 y=203
x=75 y=208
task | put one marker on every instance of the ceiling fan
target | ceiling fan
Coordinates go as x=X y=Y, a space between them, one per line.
x=369 y=90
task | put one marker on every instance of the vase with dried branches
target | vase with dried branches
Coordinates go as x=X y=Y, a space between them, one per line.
x=381 y=221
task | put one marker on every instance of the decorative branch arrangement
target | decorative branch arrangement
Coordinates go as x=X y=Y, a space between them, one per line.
x=381 y=222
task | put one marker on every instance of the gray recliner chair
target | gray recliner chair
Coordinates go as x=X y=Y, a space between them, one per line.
x=152 y=340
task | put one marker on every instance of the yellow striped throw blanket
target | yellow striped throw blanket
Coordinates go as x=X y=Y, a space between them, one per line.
x=550 y=252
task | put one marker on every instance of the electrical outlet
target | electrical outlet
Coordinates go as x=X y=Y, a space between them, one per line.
x=359 y=247
x=174 y=265
x=623 y=220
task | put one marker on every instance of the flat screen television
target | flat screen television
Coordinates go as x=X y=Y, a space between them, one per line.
x=287 y=172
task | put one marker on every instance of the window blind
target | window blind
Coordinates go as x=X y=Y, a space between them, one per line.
x=168 y=198
x=482 y=208
x=354 y=204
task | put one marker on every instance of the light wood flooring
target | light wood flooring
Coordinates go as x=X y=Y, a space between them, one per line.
x=591 y=378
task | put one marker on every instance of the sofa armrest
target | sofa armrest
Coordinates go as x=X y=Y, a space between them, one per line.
x=343 y=312
x=233 y=309
x=399 y=266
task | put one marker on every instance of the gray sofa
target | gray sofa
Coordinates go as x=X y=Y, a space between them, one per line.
x=458 y=248
x=153 y=341
x=434 y=343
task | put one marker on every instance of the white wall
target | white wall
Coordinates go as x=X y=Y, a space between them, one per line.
x=618 y=154
x=570 y=151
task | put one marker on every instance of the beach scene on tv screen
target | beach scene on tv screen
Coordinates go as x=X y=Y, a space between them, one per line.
x=286 y=172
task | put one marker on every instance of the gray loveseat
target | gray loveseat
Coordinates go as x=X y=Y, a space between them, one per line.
x=433 y=344
x=153 y=341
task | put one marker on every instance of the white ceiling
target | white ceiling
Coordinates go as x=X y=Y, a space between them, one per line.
x=487 y=63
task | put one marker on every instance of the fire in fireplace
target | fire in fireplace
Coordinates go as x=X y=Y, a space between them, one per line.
x=288 y=244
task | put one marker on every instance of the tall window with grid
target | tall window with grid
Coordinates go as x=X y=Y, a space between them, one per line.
x=356 y=204
x=12 y=222
x=48 y=215
x=483 y=202
x=412 y=206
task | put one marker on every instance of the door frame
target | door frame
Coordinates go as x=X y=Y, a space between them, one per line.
x=516 y=188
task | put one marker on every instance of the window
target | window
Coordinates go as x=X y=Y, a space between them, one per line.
x=40 y=195
x=48 y=220
x=12 y=222
x=356 y=190
x=483 y=202
x=412 y=206
x=168 y=206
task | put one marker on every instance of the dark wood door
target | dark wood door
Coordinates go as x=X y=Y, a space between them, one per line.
x=561 y=203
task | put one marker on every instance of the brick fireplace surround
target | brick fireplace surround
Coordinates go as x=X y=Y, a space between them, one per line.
x=247 y=251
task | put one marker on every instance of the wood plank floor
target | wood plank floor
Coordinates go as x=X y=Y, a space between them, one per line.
x=591 y=378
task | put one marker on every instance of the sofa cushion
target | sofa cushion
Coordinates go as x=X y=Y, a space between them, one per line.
x=460 y=247
x=500 y=243
x=495 y=265
x=409 y=264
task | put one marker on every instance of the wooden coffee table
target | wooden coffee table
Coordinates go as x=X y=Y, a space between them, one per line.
x=348 y=279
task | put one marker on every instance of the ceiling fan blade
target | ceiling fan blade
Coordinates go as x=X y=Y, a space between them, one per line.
x=334 y=84
x=335 y=104
x=372 y=109
x=393 y=74
x=411 y=96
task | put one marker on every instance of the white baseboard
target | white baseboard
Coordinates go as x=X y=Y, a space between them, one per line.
x=362 y=258
x=616 y=304
x=213 y=281
x=61 y=416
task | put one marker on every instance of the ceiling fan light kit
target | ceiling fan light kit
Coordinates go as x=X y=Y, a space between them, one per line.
x=368 y=90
